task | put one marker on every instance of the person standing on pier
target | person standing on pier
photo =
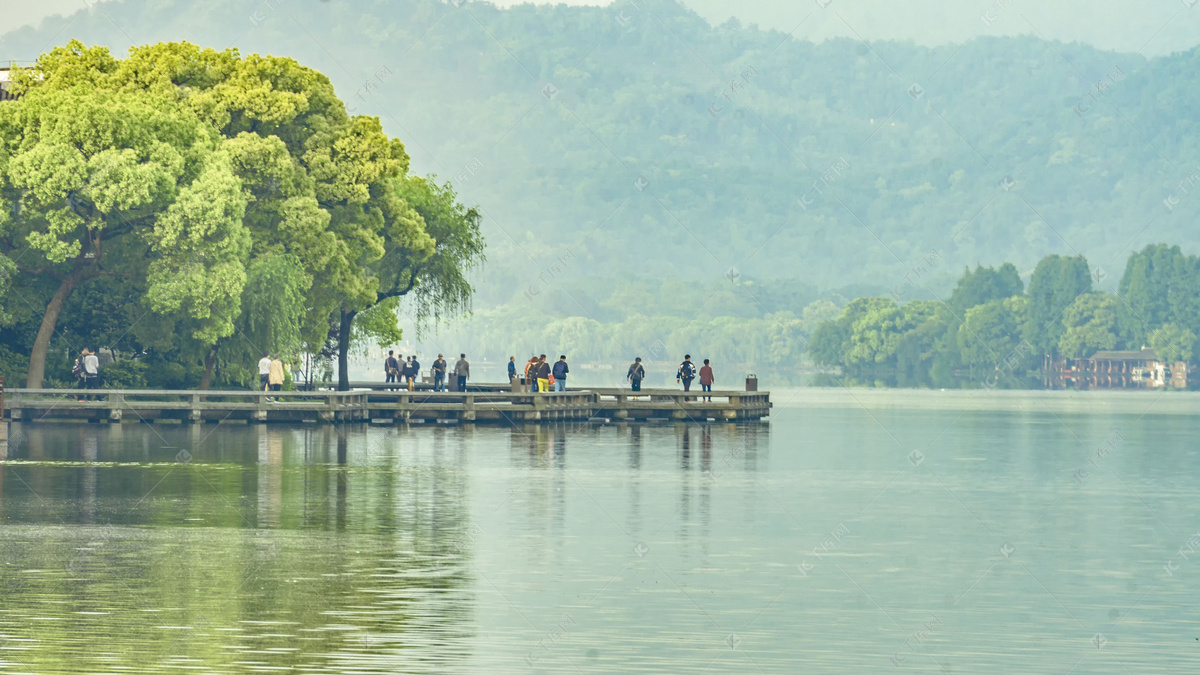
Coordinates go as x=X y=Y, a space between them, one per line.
x=706 y=379
x=512 y=368
x=438 y=370
x=405 y=367
x=391 y=367
x=636 y=374
x=686 y=373
x=531 y=373
x=543 y=374
x=414 y=370
x=275 y=377
x=77 y=371
x=560 y=373
x=462 y=370
x=91 y=370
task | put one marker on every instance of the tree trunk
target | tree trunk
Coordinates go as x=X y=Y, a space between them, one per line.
x=41 y=344
x=210 y=359
x=344 y=350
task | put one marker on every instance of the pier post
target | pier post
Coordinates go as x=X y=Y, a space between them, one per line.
x=468 y=414
x=194 y=415
x=259 y=414
x=114 y=413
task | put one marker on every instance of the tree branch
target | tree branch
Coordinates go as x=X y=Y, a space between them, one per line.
x=396 y=292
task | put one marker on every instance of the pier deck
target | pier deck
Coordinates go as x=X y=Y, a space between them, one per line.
x=480 y=404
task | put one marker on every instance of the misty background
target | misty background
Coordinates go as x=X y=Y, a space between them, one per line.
x=719 y=178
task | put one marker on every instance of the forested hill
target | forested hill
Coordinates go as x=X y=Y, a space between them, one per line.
x=638 y=139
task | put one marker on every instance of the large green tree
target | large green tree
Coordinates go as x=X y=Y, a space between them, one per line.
x=985 y=284
x=1056 y=283
x=260 y=215
x=991 y=333
x=1090 y=323
x=118 y=183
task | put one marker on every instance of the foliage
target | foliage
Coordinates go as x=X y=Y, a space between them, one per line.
x=1056 y=283
x=1090 y=324
x=124 y=374
x=996 y=342
x=1172 y=342
x=210 y=206
x=992 y=331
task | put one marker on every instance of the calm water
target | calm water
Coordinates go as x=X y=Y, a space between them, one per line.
x=819 y=542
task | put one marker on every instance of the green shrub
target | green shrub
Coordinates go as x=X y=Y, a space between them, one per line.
x=124 y=374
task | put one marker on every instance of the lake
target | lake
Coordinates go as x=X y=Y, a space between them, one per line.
x=856 y=531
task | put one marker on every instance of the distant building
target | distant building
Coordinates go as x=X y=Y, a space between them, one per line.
x=1111 y=369
x=5 y=84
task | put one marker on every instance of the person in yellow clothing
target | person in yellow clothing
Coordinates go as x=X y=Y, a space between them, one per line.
x=275 y=373
x=543 y=374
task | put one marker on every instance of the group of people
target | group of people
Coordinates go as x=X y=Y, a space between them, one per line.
x=87 y=371
x=538 y=373
x=542 y=373
x=406 y=371
x=687 y=374
x=403 y=370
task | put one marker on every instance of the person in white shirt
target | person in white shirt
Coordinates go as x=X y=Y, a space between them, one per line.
x=91 y=371
x=264 y=371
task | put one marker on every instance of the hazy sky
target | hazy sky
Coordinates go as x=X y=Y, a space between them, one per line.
x=1151 y=26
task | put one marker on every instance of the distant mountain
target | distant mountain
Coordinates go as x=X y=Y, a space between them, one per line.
x=638 y=140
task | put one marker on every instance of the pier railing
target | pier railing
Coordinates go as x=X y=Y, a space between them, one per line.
x=483 y=403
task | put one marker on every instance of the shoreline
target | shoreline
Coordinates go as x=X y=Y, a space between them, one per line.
x=1165 y=402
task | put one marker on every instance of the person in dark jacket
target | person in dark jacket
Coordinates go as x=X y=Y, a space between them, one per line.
x=636 y=374
x=438 y=370
x=462 y=370
x=543 y=374
x=414 y=371
x=706 y=379
x=686 y=373
x=560 y=373
x=77 y=371
x=391 y=367
x=512 y=369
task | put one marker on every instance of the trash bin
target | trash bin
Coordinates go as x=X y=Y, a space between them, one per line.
x=518 y=385
x=751 y=382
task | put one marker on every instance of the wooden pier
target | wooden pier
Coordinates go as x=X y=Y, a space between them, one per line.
x=479 y=404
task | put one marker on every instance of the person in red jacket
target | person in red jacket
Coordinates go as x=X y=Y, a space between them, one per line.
x=706 y=379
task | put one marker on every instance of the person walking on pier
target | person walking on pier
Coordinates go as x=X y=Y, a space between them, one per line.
x=438 y=370
x=462 y=370
x=391 y=367
x=686 y=373
x=636 y=374
x=543 y=374
x=264 y=371
x=275 y=377
x=560 y=373
x=706 y=379
x=91 y=370
x=512 y=369
x=414 y=370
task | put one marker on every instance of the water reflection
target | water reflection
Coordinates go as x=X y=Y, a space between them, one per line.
x=665 y=548
x=270 y=548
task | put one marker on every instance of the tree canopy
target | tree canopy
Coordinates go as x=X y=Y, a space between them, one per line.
x=1002 y=335
x=234 y=198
